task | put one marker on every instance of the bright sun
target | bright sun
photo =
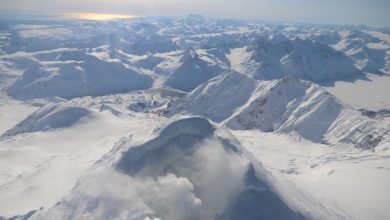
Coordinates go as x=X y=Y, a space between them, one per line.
x=99 y=16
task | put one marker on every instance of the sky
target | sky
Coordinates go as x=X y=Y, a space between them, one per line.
x=369 y=12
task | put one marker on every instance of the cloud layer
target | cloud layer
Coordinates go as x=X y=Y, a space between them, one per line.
x=373 y=12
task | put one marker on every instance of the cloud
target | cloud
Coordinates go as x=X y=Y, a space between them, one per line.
x=374 y=12
x=171 y=197
x=198 y=185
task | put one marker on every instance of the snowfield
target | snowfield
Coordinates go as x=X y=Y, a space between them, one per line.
x=193 y=118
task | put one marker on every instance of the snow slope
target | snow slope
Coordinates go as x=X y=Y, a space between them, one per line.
x=289 y=105
x=51 y=116
x=219 y=97
x=194 y=69
x=333 y=183
x=41 y=167
x=12 y=112
x=69 y=79
x=298 y=107
x=364 y=94
x=176 y=175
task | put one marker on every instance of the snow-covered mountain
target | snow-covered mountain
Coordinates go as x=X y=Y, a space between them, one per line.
x=193 y=118
x=277 y=56
x=183 y=56
x=294 y=106
x=73 y=78
x=194 y=69
x=177 y=175
x=51 y=116
x=219 y=97
x=366 y=48
x=288 y=105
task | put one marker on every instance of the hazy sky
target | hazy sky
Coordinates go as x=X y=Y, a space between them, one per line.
x=370 y=12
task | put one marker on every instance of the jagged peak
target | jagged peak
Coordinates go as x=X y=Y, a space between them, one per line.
x=290 y=79
x=190 y=54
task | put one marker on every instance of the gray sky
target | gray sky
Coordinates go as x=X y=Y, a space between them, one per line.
x=370 y=12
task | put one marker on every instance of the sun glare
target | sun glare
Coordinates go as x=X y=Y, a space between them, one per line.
x=99 y=16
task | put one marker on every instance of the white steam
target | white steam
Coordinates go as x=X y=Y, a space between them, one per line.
x=171 y=197
x=199 y=187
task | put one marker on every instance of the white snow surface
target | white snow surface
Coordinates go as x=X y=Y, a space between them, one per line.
x=366 y=94
x=313 y=176
x=39 y=168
